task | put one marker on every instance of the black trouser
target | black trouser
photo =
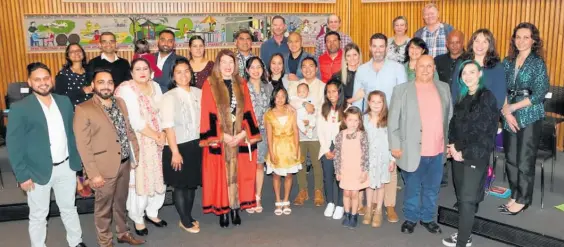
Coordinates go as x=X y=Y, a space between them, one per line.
x=520 y=159
x=184 y=201
x=330 y=183
x=469 y=179
x=446 y=169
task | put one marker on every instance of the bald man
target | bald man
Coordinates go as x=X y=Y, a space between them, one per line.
x=445 y=67
x=293 y=60
x=417 y=132
x=434 y=32
x=333 y=24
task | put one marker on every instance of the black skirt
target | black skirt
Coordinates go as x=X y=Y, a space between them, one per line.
x=190 y=176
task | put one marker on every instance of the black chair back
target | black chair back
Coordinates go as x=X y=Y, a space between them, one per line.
x=16 y=92
x=554 y=102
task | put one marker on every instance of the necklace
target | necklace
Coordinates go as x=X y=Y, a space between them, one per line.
x=351 y=135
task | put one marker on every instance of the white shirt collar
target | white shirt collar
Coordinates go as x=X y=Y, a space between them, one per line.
x=159 y=58
x=104 y=57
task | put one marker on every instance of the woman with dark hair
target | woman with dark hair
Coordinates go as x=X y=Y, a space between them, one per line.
x=71 y=80
x=481 y=48
x=471 y=130
x=228 y=135
x=328 y=122
x=142 y=97
x=351 y=60
x=416 y=48
x=201 y=65
x=527 y=82
x=261 y=92
x=283 y=159
x=182 y=154
x=276 y=73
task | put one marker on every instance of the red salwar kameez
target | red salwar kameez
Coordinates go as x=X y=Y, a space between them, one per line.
x=228 y=173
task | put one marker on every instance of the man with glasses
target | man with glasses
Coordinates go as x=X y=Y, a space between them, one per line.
x=109 y=59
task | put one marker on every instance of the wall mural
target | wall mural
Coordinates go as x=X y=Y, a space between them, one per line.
x=52 y=33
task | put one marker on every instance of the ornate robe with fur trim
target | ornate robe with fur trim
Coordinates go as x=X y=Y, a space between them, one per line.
x=228 y=173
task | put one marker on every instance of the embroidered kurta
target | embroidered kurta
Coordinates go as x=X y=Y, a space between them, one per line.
x=228 y=172
x=143 y=111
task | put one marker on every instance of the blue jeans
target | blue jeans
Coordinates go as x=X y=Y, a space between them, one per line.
x=422 y=189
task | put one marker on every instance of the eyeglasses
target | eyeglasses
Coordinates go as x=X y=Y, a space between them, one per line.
x=75 y=52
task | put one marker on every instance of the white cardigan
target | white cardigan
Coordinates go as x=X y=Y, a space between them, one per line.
x=326 y=132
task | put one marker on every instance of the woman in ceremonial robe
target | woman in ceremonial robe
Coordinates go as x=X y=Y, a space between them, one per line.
x=228 y=135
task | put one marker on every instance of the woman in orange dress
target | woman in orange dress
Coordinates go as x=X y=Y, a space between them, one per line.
x=228 y=135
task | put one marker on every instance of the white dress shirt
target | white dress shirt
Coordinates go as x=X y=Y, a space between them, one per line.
x=161 y=60
x=56 y=129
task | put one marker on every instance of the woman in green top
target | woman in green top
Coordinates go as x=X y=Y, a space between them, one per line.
x=416 y=48
x=527 y=85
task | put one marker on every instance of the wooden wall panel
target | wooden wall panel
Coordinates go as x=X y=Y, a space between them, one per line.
x=500 y=16
x=359 y=20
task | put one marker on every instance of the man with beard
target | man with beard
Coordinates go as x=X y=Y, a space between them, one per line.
x=330 y=61
x=43 y=155
x=107 y=146
x=109 y=59
x=165 y=58
x=377 y=74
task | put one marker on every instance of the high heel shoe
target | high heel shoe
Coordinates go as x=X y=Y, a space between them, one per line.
x=224 y=221
x=235 y=218
x=142 y=232
x=507 y=212
x=161 y=223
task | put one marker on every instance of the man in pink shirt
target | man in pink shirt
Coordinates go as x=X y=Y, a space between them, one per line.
x=420 y=112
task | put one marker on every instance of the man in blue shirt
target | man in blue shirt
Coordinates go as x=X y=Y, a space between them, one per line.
x=277 y=43
x=377 y=74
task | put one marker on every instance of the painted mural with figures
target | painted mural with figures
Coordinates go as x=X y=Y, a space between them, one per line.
x=50 y=33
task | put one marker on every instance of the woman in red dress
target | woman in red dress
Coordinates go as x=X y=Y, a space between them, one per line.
x=228 y=136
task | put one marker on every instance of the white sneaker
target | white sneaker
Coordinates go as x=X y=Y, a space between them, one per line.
x=338 y=214
x=329 y=209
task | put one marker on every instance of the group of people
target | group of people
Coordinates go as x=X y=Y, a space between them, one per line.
x=136 y=128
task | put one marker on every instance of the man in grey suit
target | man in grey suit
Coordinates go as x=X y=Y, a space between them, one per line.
x=420 y=112
x=165 y=58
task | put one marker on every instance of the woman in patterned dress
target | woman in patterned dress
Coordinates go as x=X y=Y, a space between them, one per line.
x=147 y=189
x=260 y=91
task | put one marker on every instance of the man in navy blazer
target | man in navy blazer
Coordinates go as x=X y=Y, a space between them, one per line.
x=165 y=58
x=43 y=154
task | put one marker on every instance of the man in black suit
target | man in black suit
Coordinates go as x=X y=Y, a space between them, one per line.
x=165 y=58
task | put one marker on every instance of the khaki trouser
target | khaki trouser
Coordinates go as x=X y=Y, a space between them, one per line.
x=390 y=190
x=311 y=147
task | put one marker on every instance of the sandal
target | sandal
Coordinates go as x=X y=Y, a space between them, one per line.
x=278 y=211
x=286 y=208
x=251 y=210
x=258 y=208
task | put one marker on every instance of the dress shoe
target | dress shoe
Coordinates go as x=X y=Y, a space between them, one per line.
x=142 y=232
x=81 y=245
x=161 y=223
x=224 y=220
x=408 y=226
x=235 y=218
x=432 y=227
x=507 y=212
x=193 y=229
x=127 y=238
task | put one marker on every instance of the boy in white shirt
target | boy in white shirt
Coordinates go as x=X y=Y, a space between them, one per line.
x=306 y=121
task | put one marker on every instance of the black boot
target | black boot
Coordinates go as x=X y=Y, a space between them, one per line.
x=354 y=221
x=235 y=218
x=346 y=219
x=224 y=220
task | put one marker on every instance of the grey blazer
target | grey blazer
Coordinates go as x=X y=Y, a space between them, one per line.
x=404 y=122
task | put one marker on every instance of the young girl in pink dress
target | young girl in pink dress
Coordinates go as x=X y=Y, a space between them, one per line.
x=351 y=163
